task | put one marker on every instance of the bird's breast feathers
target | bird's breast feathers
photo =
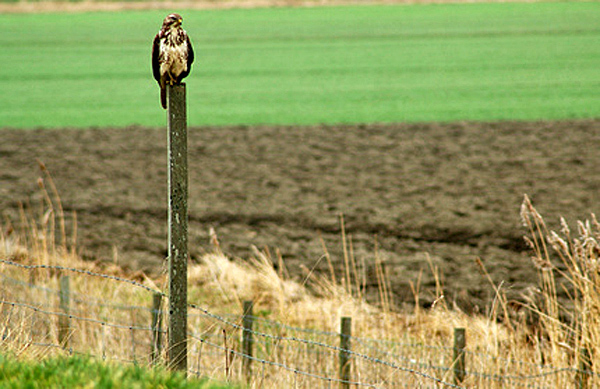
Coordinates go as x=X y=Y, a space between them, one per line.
x=173 y=56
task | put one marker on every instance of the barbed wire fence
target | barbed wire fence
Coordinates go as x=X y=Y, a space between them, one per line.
x=124 y=324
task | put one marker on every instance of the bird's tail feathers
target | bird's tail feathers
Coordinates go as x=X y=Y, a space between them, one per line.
x=163 y=97
x=163 y=90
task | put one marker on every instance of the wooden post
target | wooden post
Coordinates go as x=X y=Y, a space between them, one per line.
x=248 y=323
x=460 y=342
x=64 y=326
x=585 y=368
x=178 y=225
x=345 y=362
x=156 y=326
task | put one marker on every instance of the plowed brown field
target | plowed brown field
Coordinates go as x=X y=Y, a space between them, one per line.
x=451 y=191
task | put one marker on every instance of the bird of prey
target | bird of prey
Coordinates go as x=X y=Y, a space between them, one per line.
x=172 y=55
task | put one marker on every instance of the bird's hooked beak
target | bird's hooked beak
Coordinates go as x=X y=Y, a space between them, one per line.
x=179 y=22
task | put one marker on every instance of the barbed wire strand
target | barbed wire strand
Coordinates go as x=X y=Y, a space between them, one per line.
x=272 y=363
x=324 y=345
x=85 y=299
x=82 y=271
x=273 y=337
x=74 y=317
x=221 y=319
x=280 y=365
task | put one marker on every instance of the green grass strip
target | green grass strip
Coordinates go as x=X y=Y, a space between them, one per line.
x=78 y=372
x=520 y=61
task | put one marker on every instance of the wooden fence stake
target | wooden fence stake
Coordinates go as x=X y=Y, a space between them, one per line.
x=585 y=368
x=460 y=342
x=64 y=325
x=156 y=326
x=178 y=225
x=345 y=344
x=248 y=323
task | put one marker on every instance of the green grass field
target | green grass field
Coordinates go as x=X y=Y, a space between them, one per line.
x=79 y=372
x=309 y=65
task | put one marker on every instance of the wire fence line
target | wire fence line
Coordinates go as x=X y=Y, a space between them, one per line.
x=125 y=332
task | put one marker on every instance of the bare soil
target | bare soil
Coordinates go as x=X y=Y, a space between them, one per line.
x=406 y=191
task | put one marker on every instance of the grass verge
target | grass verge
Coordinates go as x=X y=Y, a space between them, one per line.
x=78 y=372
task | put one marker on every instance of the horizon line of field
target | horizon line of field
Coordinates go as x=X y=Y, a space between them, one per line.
x=324 y=125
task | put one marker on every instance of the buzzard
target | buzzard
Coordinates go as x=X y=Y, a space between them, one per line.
x=172 y=55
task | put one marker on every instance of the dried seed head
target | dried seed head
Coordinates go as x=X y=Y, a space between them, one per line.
x=528 y=212
x=564 y=227
x=578 y=250
x=46 y=217
x=585 y=231
x=529 y=242
x=42 y=165
x=541 y=263
x=480 y=265
x=214 y=240
x=524 y=213
x=595 y=222
x=557 y=243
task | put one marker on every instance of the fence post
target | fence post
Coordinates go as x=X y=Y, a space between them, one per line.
x=460 y=342
x=248 y=323
x=178 y=225
x=345 y=362
x=585 y=368
x=64 y=325
x=156 y=326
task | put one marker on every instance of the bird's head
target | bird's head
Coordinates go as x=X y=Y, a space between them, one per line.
x=172 y=21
